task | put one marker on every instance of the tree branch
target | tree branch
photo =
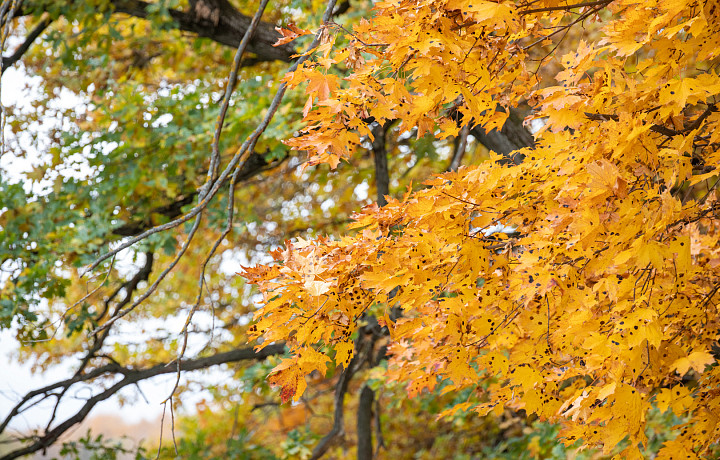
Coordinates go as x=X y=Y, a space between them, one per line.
x=382 y=177
x=364 y=345
x=130 y=377
x=511 y=137
x=229 y=29
x=565 y=7
x=338 y=414
x=660 y=128
x=8 y=61
x=254 y=165
x=460 y=145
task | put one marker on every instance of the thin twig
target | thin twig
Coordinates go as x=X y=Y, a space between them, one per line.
x=232 y=78
x=565 y=7
x=85 y=297
x=562 y=28
x=8 y=61
x=156 y=283
x=238 y=159
x=212 y=173
x=130 y=377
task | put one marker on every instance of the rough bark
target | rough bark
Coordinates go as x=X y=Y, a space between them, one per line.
x=219 y=21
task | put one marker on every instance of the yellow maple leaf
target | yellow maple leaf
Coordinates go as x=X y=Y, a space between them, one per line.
x=290 y=378
x=678 y=398
x=317 y=287
x=696 y=360
x=344 y=353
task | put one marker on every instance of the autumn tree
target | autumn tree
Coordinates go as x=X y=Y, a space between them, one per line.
x=570 y=276
x=143 y=161
x=602 y=302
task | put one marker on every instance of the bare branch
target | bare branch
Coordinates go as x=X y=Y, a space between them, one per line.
x=130 y=377
x=212 y=173
x=238 y=159
x=8 y=61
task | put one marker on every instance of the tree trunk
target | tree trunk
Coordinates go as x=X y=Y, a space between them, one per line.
x=364 y=424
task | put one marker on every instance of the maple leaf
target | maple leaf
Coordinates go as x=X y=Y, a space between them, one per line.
x=613 y=254
x=291 y=33
x=606 y=176
x=290 y=378
x=344 y=353
x=678 y=398
x=317 y=288
x=697 y=360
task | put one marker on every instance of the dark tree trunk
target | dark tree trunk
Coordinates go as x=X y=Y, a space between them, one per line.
x=364 y=424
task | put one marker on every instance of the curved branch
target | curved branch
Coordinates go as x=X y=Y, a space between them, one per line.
x=8 y=61
x=130 y=377
x=239 y=159
x=364 y=346
x=338 y=414
x=212 y=173
x=712 y=108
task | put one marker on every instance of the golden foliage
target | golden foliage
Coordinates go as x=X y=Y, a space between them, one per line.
x=604 y=298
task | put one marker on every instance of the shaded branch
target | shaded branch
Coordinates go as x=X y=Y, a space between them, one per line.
x=130 y=286
x=513 y=136
x=364 y=345
x=342 y=8
x=210 y=189
x=229 y=29
x=660 y=128
x=338 y=414
x=254 y=165
x=378 y=427
x=143 y=274
x=460 y=146
x=211 y=175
